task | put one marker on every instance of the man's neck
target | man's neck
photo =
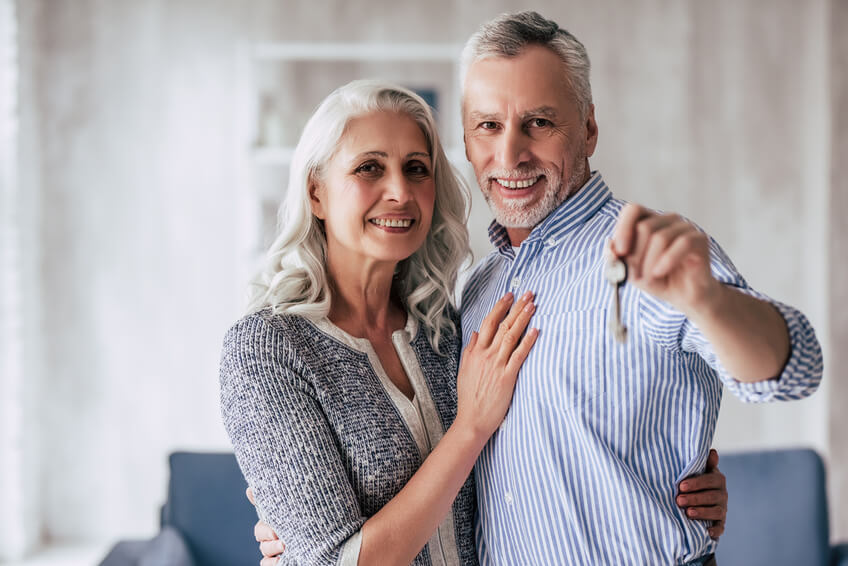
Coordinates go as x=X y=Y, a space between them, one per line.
x=518 y=235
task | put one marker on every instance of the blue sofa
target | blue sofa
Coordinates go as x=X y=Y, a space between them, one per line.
x=777 y=515
x=777 y=511
x=206 y=520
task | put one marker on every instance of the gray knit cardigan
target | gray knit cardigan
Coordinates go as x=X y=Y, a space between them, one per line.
x=322 y=440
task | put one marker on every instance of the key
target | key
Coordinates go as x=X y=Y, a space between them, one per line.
x=615 y=272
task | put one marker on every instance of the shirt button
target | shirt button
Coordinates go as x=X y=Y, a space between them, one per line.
x=508 y=498
x=516 y=281
x=551 y=241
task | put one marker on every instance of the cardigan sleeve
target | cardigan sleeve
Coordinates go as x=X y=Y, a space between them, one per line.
x=802 y=372
x=286 y=448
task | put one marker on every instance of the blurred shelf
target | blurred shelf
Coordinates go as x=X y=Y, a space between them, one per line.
x=272 y=155
x=356 y=52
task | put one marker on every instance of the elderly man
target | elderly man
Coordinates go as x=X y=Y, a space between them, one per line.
x=604 y=423
x=584 y=468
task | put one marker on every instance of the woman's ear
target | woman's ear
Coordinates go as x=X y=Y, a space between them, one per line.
x=316 y=198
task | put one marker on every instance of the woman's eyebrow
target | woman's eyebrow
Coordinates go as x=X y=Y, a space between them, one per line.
x=372 y=154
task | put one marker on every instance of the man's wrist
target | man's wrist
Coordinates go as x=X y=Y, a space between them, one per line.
x=714 y=303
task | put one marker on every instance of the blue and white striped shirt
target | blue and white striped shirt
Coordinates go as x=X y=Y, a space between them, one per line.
x=585 y=468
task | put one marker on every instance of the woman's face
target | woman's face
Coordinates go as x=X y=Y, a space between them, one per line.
x=377 y=192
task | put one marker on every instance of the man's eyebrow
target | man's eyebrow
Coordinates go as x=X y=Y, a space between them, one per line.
x=482 y=117
x=543 y=111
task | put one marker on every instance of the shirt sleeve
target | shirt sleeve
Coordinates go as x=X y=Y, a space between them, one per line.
x=286 y=448
x=671 y=329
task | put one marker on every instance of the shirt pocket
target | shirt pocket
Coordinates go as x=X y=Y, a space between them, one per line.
x=567 y=366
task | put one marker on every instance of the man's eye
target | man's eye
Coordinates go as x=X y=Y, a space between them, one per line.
x=489 y=125
x=540 y=122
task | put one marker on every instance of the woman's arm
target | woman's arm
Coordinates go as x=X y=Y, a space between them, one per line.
x=285 y=445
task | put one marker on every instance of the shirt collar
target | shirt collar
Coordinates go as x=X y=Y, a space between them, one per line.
x=573 y=212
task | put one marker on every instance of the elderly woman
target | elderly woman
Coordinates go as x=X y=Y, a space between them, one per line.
x=351 y=417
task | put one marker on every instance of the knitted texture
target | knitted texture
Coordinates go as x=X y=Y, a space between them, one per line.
x=317 y=436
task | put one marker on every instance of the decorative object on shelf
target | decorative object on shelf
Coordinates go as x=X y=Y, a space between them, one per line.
x=270 y=131
x=430 y=96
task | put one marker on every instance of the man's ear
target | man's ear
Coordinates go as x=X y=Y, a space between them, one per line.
x=591 y=131
x=316 y=198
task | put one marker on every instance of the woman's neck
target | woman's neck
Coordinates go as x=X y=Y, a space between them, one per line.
x=362 y=300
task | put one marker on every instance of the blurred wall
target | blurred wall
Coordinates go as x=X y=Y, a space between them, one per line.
x=838 y=280
x=720 y=111
x=20 y=298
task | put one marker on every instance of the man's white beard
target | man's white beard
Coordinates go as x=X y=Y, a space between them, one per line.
x=515 y=213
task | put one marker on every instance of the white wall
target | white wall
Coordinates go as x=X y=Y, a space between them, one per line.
x=135 y=104
x=20 y=299
x=713 y=110
x=838 y=248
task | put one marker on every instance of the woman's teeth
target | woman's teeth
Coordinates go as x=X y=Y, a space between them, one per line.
x=517 y=184
x=392 y=222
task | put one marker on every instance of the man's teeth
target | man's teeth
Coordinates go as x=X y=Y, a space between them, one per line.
x=393 y=222
x=517 y=184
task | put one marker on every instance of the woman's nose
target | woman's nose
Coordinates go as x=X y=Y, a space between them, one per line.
x=397 y=188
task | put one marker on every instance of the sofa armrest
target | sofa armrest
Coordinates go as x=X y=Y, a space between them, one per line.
x=125 y=553
x=839 y=554
x=168 y=548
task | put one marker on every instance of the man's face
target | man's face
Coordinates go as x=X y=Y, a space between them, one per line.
x=525 y=136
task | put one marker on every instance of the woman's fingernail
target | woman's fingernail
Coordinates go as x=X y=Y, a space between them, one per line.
x=529 y=307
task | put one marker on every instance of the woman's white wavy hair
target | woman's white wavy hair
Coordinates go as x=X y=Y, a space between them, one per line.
x=294 y=279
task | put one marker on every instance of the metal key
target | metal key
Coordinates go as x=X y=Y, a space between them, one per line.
x=615 y=273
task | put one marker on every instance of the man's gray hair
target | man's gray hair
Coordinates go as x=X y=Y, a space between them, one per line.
x=508 y=34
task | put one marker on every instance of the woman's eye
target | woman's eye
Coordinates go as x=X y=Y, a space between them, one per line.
x=369 y=168
x=418 y=169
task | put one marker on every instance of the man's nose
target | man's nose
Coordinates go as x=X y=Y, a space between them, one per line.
x=512 y=148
